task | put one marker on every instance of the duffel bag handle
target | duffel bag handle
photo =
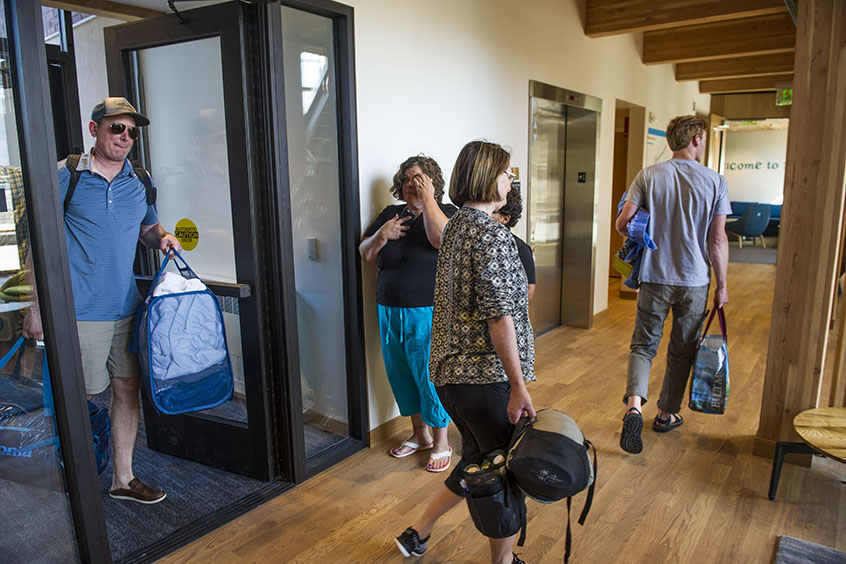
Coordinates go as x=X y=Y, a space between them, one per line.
x=181 y=269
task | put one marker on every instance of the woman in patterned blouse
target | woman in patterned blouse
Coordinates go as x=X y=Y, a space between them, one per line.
x=482 y=344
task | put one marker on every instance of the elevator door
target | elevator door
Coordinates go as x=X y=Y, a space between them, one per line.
x=562 y=207
x=546 y=186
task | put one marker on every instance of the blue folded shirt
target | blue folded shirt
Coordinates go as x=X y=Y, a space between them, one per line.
x=638 y=240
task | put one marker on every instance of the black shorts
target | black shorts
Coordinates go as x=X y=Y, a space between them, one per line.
x=479 y=411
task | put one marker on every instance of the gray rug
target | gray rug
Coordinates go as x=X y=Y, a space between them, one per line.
x=751 y=254
x=797 y=551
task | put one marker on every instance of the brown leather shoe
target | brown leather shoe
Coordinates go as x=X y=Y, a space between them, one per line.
x=140 y=492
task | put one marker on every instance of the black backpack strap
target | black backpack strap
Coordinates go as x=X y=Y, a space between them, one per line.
x=519 y=428
x=71 y=163
x=568 y=543
x=589 y=499
x=510 y=483
x=522 y=538
x=145 y=179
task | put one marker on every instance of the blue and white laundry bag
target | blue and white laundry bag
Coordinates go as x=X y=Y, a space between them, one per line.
x=181 y=340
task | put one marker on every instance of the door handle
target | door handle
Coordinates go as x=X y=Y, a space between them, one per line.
x=223 y=289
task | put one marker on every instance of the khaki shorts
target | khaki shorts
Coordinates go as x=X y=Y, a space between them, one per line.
x=105 y=353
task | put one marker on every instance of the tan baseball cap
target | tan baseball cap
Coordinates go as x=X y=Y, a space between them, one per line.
x=117 y=106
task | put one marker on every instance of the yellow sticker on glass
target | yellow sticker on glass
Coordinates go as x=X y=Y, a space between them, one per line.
x=187 y=234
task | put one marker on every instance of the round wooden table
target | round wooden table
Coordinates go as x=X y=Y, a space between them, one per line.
x=824 y=429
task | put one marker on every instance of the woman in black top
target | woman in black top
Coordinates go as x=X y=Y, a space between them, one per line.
x=509 y=215
x=403 y=241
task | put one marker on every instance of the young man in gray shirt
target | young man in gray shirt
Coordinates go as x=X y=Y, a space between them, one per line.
x=688 y=204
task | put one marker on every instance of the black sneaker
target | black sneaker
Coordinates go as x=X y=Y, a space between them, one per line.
x=516 y=560
x=409 y=543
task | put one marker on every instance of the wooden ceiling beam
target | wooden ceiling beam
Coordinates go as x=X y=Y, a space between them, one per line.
x=105 y=8
x=612 y=17
x=744 y=84
x=747 y=36
x=756 y=65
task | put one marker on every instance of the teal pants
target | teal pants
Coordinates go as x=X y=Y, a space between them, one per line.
x=406 y=337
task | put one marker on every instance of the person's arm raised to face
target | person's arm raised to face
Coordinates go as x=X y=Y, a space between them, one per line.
x=434 y=220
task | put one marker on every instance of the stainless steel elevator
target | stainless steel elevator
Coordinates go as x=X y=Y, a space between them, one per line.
x=563 y=151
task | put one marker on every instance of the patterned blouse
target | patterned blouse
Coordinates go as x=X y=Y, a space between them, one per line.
x=479 y=277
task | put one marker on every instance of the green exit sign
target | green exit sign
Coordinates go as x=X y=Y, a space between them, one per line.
x=784 y=97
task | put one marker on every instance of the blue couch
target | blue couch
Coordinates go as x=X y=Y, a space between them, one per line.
x=737 y=209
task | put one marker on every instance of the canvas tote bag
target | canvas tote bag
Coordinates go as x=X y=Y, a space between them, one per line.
x=709 y=387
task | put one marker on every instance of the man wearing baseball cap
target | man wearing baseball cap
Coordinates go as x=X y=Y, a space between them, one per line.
x=105 y=216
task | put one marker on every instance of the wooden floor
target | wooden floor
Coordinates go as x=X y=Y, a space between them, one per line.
x=696 y=494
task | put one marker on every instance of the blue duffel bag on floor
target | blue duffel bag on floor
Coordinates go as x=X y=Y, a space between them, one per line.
x=29 y=445
x=181 y=342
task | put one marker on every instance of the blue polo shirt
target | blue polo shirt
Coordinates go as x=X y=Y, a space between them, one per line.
x=102 y=224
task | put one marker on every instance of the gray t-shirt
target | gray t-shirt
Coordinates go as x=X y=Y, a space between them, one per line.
x=682 y=197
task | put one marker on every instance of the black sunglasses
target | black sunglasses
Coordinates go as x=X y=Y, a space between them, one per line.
x=117 y=128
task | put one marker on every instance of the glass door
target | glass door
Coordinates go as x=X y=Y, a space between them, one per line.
x=320 y=188
x=189 y=80
x=313 y=170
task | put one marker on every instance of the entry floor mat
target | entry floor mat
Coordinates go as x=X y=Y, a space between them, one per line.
x=193 y=491
x=797 y=551
x=35 y=526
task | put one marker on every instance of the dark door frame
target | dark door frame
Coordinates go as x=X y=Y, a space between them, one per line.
x=28 y=70
x=61 y=62
x=343 y=26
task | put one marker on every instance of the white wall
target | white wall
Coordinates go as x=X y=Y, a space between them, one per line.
x=91 y=69
x=432 y=76
x=754 y=165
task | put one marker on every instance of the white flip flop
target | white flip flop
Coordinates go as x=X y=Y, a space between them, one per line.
x=437 y=456
x=412 y=445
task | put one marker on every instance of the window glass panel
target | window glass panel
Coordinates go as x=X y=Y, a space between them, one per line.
x=313 y=162
x=190 y=166
x=313 y=69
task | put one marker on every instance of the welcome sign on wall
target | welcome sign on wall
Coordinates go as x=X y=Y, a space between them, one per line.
x=754 y=165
